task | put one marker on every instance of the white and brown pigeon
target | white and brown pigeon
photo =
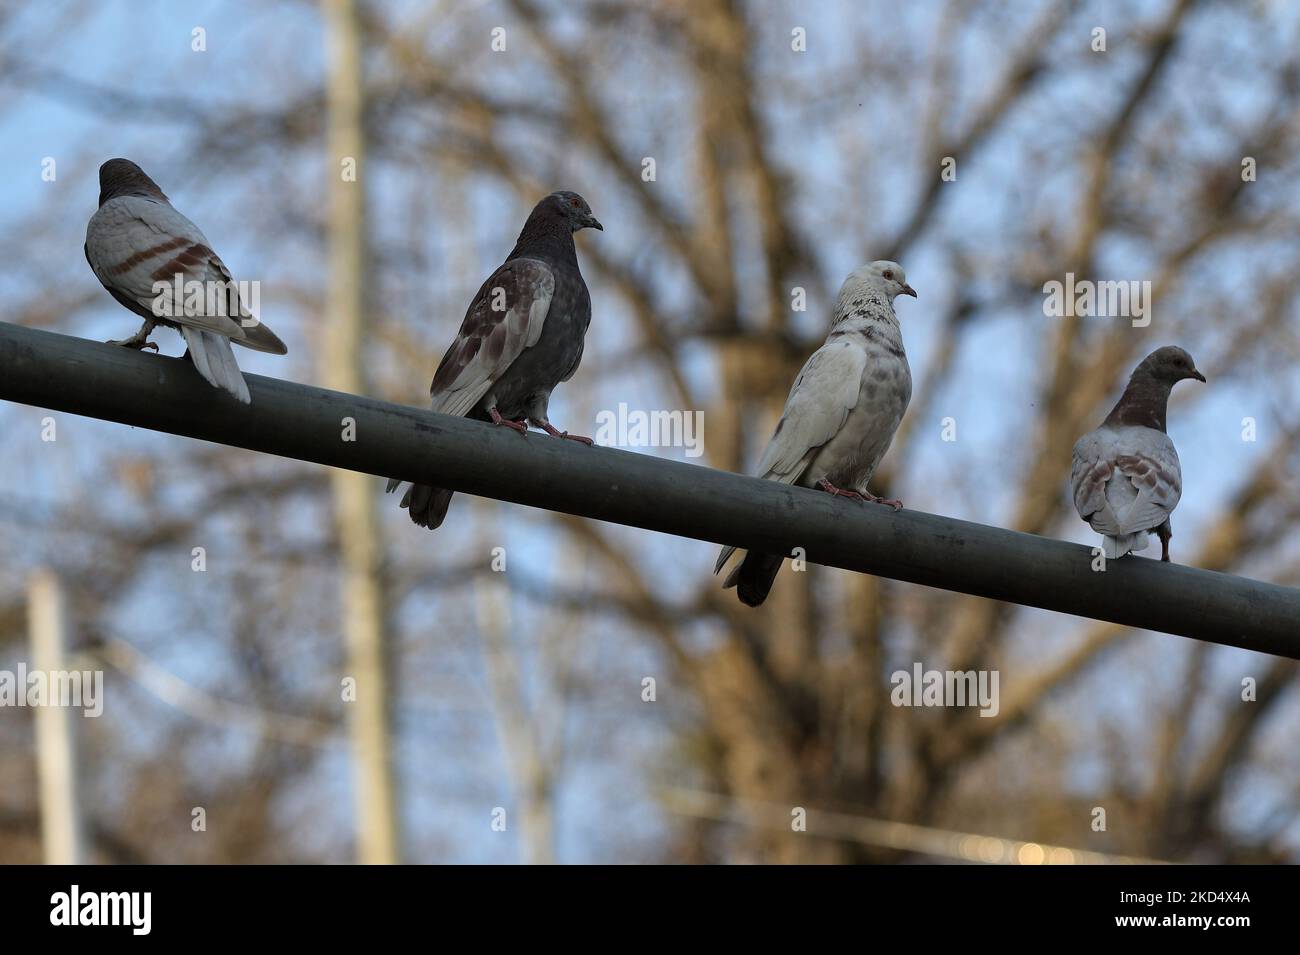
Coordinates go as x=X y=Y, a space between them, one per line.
x=140 y=248
x=1126 y=479
x=521 y=336
x=842 y=411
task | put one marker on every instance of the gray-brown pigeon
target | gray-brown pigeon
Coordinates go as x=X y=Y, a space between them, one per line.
x=1126 y=479
x=842 y=411
x=135 y=241
x=521 y=336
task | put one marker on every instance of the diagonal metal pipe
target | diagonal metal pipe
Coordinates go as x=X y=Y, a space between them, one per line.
x=299 y=421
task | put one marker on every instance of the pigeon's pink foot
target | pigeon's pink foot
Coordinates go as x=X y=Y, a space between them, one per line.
x=139 y=339
x=555 y=432
x=830 y=488
x=520 y=426
x=896 y=505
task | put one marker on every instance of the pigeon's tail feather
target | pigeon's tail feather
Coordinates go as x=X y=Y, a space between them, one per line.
x=214 y=359
x=1114 y=547
x=426 y=505
x=753 y=577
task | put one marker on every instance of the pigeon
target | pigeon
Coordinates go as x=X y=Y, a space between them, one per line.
x=1126 y=479
x=142 y=250
x=842 y=411
x=521 y=336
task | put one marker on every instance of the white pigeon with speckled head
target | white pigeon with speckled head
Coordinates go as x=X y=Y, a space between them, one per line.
x=842 y=411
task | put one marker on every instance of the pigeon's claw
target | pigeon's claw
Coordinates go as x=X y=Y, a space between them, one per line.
x=830 y=488
x=896 y=505
x=555 y=432
x=139 y=340
x=133 y=343
x=520 y=426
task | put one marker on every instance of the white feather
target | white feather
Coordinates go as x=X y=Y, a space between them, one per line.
x=214 y=359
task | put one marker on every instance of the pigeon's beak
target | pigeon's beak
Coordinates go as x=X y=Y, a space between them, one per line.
x=591 y=222
x=908 y=290
x=1197 y=375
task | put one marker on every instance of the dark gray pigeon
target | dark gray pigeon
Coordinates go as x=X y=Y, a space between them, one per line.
x=521 y=337
x=1126 y=479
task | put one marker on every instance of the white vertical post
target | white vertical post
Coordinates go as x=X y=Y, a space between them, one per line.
x=355 y=508
x=56 y=749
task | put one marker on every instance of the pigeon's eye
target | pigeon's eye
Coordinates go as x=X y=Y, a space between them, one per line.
x=575 y=203
x=889 y=274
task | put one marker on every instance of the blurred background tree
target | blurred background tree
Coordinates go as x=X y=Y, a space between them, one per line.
x=736 y=151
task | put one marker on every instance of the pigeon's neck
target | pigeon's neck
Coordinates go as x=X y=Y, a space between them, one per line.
x=1145 y=403
x=865 y=307
x=870 y=323
x=547 y=237
x=137 y=189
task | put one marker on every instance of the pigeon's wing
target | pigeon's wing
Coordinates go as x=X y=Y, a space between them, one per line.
x=1091 y=470
x=1150 y=462
x=134 y=242
x=256 y=335
x=1125 y=480
x=817 y=407
x=505 y=317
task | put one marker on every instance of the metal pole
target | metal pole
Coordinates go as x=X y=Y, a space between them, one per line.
x=56 y=742
x=299 y=421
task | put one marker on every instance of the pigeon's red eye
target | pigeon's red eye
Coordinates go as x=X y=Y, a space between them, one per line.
x=574 y=203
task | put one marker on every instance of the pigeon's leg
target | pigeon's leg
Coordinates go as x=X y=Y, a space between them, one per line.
x=830 y=488
x=140 y=338
x=896 y=505
x=1164 y=532
x=519 y=426
x=536 y=411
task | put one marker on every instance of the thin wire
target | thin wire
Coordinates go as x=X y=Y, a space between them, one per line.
x=203 y=706
x=884 y=833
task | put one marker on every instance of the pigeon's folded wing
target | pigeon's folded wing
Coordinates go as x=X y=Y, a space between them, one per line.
x=134 y=242
x=1125 y=481
x=505 y=318
x=256 y=335
x=1152 y=467
x=819 y=403
x=817 y=407
x=1091 y=470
